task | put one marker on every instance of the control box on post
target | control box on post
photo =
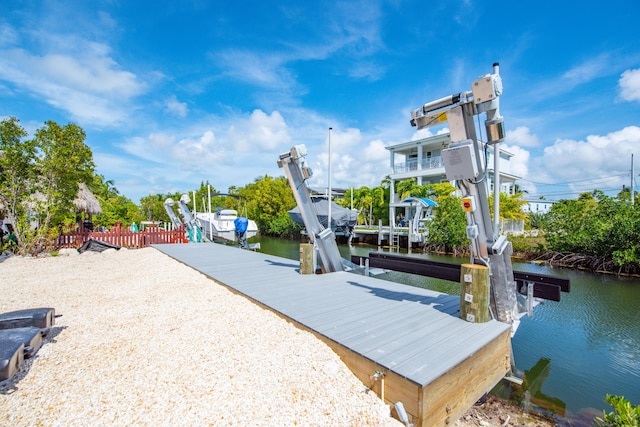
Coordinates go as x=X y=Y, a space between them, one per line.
x=460 y=161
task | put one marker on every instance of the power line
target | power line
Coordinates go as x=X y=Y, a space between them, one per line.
x=606 y=178
x=577 y=193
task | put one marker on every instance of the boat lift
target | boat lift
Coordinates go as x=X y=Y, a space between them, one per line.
x=323 y=239
x=513 y=294
x=465 y=163
x=193 y=228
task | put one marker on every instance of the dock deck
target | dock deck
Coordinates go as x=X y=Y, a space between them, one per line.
x=435 y=363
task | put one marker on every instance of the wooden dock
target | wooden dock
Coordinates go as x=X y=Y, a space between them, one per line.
x=436 y=364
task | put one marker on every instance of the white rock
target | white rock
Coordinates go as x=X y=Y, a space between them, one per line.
x=68 y=252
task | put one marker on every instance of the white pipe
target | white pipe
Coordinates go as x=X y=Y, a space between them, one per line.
x=496 y=190
x=330 y=190
x=209 y=217
x=496 y=168
x=632 y=179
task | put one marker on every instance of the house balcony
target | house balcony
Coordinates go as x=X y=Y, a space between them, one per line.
x=428 y=166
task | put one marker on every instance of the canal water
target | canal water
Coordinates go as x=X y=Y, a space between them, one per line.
x=571 y=353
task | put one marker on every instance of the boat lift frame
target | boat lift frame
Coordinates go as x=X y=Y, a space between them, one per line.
x=323 y=239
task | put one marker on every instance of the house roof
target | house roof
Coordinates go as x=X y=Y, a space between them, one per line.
x=444 y=138
x=86 y=201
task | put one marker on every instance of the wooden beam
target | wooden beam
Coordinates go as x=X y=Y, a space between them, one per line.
x=447 y=398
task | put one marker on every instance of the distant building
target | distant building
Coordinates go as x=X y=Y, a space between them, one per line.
x=537 y=206
x=422 y=160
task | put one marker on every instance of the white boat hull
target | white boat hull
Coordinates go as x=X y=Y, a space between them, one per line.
x=217 y=226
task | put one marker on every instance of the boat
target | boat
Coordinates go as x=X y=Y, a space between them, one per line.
x=222 y=225
x=226 y=225
x=343 y=220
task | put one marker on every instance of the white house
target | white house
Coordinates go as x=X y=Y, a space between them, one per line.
x=538 y=206
x=422 y=160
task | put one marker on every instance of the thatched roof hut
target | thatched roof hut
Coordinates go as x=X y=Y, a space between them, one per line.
x=85 y=201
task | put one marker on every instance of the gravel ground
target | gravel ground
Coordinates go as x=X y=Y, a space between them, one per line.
x=144 y=340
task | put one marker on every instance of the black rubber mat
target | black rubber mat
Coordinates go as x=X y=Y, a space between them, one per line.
x=11 y=358
x=31 y=337
x=37 y=317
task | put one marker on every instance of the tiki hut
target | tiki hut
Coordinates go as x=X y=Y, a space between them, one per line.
x=87 y=203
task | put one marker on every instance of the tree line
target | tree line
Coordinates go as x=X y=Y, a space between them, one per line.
x=596 y=232
x=39 y=178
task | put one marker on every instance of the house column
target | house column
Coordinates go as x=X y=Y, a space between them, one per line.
x=392 y=198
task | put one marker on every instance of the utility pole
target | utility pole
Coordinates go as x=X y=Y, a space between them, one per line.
x=632 y=180
x=329 y=184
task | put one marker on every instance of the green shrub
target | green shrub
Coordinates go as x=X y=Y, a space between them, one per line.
x=624 y=413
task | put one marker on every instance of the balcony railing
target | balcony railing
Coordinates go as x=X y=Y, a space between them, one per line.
x=426 y=164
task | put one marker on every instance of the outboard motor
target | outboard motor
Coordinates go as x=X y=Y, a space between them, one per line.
x=241 y=224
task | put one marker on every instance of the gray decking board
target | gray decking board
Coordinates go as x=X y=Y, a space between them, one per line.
x=411 y=331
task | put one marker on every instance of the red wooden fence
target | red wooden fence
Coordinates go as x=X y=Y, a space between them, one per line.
x=121 y=237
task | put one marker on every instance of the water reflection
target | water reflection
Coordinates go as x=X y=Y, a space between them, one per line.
x=530 y=391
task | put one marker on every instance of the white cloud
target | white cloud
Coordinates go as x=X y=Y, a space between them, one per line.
x=261 y=69
x=351 y=31
x=521 y=136
x=346 y=140
x=155 y=148
x=8 y=35
x=577 y=76
x=249 y=143
x=605 y=157
x=376 y=152
x=259 y=132
x=630 y=85
x=421 y=133
x=519 y=164
x=201 y=153
x=353 y=164
x=368 y=70
x=175 y=107
x=587 y=71
x=88 y=84
x=343 y=145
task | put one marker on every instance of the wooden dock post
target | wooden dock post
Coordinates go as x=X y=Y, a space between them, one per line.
x=306 y=258
x=474 y=293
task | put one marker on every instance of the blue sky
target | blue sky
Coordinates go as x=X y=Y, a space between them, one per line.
x=171 y=94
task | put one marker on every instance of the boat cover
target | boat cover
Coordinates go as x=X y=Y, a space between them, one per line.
x=241 y=224
x=96 y=246
x=340 y=216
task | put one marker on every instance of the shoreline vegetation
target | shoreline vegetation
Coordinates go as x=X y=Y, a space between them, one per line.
x=531 y=249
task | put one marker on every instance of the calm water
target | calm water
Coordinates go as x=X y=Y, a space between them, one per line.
x=573 y=352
